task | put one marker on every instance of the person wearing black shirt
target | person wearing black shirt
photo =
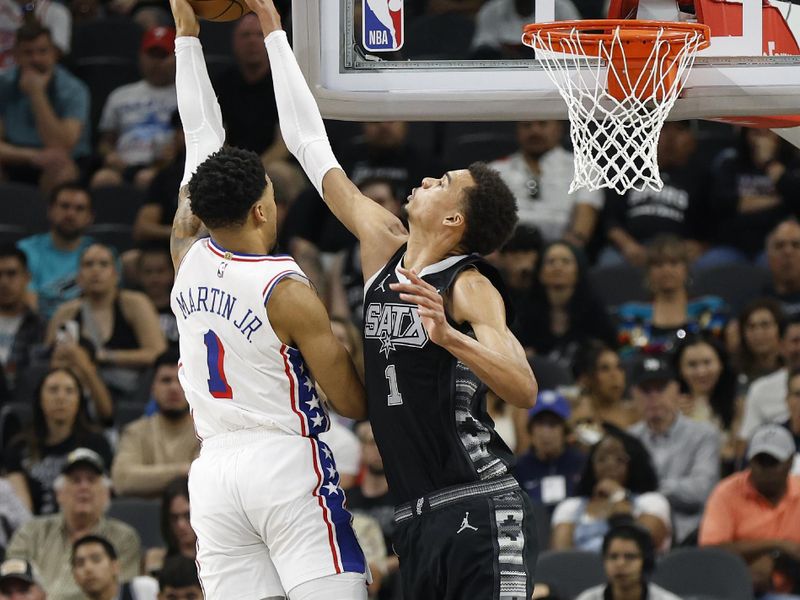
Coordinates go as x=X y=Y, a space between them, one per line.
x=436 y=347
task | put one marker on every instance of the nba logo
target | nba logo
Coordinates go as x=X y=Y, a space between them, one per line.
x=383 y=25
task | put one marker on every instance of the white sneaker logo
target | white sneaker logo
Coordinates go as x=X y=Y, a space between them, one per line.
x=465 y=524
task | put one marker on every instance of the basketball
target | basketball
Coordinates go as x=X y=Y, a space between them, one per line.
x=219 y=10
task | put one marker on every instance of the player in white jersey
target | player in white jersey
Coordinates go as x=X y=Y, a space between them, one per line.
x=266 y=505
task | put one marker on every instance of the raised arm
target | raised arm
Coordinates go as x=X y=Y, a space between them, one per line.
x=495 y=355
x=379 y=231
x=201 y=118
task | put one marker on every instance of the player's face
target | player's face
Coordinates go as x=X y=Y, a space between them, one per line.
x=97 y=274
x=437 y=200
x=60 y=399
x=623 y=563
x=93 y=569
x=183 y=593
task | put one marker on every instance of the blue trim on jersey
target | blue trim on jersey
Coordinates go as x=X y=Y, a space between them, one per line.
x=277 y=280
x=351 y=556
x=242 y=254
x=309 y=403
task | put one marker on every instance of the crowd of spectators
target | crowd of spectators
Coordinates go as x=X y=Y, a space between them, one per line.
x=669 y=406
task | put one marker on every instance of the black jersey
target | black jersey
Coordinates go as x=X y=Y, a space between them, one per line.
x=427 y=409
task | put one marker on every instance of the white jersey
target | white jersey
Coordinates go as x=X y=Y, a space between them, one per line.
x=236 y=372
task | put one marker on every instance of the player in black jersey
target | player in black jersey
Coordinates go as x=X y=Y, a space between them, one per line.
x=436 y=345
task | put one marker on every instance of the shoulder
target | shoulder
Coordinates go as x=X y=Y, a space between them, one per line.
x=138 y=427
x=131 y=299
x=144 y=587
x=475 y=297
x=67 y=309
x=635 y=310
x=69 y=84
x=652 y=503
x=638 y=429
x=34 y=243
x=706 y=303
x=568 y=511
x=123 y=93
x=119 y=532
x=658 y=593
x=594 y=593
x=732 y=486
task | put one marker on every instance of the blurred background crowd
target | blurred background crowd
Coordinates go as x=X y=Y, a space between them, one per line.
x=663 y=327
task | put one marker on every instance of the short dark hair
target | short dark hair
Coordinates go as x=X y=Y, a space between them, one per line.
x=225 y=186
x=490 y=211
x=108 y=547
x=178 y=572
x=637 y=534
x=72 y=186
x=12 y=251
x=524 y=239
x=31 y=30
x=153 y=249
x=168 y=357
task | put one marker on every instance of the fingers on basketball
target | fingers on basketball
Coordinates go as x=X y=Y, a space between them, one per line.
x=219 y=10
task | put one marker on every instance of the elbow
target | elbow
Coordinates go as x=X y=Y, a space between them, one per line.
x=530 y=393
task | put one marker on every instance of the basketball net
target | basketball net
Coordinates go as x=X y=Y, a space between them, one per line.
x=619 y=86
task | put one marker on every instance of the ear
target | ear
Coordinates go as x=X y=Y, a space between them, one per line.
x=454 y=220
x=258 y=213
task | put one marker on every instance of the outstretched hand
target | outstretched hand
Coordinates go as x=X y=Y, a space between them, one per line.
x=267 y=14
x=186 y=23
x=430 y=305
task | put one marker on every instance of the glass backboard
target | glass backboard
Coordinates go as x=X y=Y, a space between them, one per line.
x=390 y=59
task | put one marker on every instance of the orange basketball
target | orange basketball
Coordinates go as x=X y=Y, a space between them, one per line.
x=219 y=10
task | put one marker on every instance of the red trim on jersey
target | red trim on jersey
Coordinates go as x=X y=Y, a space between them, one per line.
x=243 y=258
x=317 y=469
x=281 y=274
x=288 y=368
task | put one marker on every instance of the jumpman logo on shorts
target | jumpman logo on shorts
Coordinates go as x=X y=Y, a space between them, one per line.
x=465 y=524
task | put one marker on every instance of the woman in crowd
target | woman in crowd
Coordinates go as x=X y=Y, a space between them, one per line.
x=654 y=327
x=563 y=312
x=761 y=325
x=176 y=530
x=618 y=482
x=598 y=370
x=60 y=425
x=121 y=325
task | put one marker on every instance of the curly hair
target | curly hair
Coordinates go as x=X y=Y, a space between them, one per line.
x=225 y=186
x=490 y=211
x=641 y=473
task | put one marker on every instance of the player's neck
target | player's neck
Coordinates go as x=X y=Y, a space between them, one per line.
x=423 y=251
x=240 y=241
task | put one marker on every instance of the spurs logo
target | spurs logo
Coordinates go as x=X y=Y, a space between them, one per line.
x=394 y=325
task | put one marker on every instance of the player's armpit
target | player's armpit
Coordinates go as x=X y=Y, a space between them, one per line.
x=186 y=228
x=380 y=232
x=300 y=320
x=496 y=357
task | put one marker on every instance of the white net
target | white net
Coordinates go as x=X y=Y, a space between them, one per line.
x=615 y=135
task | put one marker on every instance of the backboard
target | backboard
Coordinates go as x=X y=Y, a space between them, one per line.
x=385 y=60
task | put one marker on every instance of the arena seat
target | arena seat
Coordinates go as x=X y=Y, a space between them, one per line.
x=115 y=210
x=704 y=573
x=617 y=285
x=141 y=514
x=23 y=211
x=737 y=284
x=570 y=571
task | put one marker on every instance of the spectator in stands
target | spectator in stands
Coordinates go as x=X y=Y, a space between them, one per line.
x=753 y=189
x=562 y=312
x=154 y=219
x=655 y=327
x=499 y=25
x=628 y=560
x=685 y=452
x=793 y=422
x=598 y=370
x=60 y=426
x=155 y=274
x=96 y=569
x=83 y=495
x=346 y=281
x=766 y=398
x=783 y=257
x=247 y=98
x=539 y=175
x=761 y=327
x=135 y=127
x=618 y=482
x=44 y=113
x=21 y=329
x=756 y=513
x=635 y=219
x=549 y=471
x=178 y=580
x=53 y=257
x=53 y=15
x=20 y=580
x=154 y=450
x=176 y=530
x=518 y=259
x=121 y=325
x=13 y=513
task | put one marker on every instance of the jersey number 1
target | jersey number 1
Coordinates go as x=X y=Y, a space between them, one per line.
x=395 y=398
x=215 y=353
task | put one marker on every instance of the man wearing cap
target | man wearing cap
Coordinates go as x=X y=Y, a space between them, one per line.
x=685 y=452
x=551 y=468
x=756 y=513
x=19 y=580
x=83 y=495
x=135 y=127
